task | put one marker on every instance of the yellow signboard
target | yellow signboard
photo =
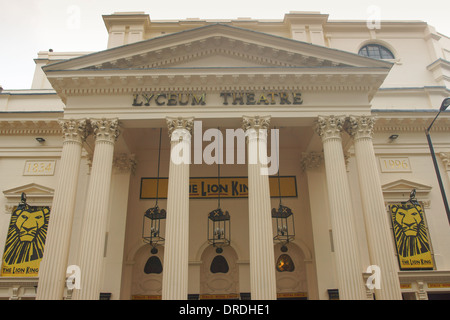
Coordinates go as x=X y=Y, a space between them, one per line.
x=438 y=285
x=411 y=236
x=25 y=242
x=208 y=188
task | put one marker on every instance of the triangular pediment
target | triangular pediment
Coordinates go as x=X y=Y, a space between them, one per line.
x=33 y=189
x=403 y=185
x=182 y=48
x=400 y=191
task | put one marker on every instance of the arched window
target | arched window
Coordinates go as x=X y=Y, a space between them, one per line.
x=376 y=51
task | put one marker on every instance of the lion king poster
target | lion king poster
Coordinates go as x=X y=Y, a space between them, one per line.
x=411 y=236
x=25 y=242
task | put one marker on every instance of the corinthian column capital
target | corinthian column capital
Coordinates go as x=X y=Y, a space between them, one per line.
x=360 y=126
x=311 y=160
x=74 y=130
x=105 y=129
x=329 y=127
x=255 y=122
x=179 y=127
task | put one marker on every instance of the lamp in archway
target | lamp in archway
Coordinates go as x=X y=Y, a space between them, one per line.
x=219 y=230
x=283 y=217
x=154 y=218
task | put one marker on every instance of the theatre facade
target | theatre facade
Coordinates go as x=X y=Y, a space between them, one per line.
x=230 y=159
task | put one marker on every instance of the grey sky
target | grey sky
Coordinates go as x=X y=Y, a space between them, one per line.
x=30 y=26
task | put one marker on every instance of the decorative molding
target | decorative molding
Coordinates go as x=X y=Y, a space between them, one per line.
x=422 y=290
x=445 y=157
x=74 y=130
x=32 y=190
x=19 y=288
x=124 y=162
x=256 y=122
x=105 y=129
x=399 y=190
x=360 y=127
x=217 y=79
x=179 y=125
x=37 y=195
x=409 y=123
x=9 y=208
x=311 y=160
x=27 y=127
x=329 y=127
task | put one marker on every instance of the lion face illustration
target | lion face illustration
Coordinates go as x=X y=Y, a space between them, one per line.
x=26 y=235
x=409 y=220
x=28 y=224
x=410 y=230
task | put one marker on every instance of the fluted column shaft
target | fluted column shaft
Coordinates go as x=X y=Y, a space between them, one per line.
x=93 y=232
x=348 y=266
x=52 y=270
x=176 y=247
x=262 y=260
x=377 y=227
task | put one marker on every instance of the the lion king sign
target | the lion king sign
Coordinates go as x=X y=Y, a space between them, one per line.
x=25 y=242
x=411 y=236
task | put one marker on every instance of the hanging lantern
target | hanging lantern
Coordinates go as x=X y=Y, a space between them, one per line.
x=283 y=224
x=154 y=218
x=219 y=232
x=283 y=218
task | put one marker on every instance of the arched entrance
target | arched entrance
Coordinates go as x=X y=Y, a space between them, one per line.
x=290 y=272
x=219 y=274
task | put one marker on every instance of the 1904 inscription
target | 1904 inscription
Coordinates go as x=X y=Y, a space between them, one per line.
x=227 y=98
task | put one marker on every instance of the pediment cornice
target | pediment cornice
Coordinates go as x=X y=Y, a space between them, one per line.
x=182 y=45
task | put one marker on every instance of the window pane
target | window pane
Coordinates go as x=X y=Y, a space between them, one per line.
x=385 y=53
x=363 y=52
x=376 y=51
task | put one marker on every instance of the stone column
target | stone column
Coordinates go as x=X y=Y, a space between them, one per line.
x=176 y=246
x=52 y=270
x=92 y=241
x=348 y=262
x=376 y=219
x=262 y=258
